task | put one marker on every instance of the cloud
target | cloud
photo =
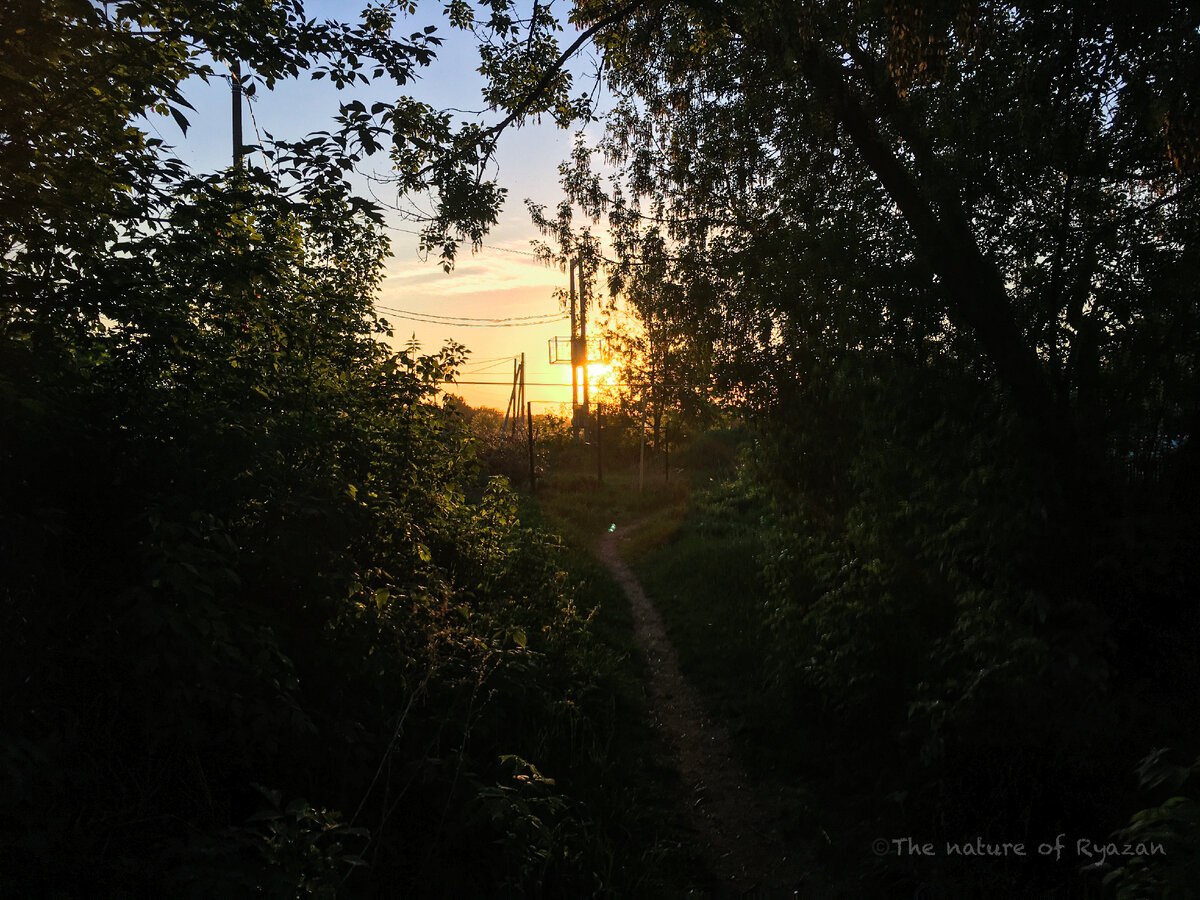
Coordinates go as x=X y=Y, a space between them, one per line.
x=423 y=287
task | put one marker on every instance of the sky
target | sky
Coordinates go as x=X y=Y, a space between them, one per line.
x=503 y=279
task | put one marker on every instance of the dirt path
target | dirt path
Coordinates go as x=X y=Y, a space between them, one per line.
x=736 y=822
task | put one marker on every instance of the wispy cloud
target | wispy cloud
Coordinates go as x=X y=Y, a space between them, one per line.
x=483 y=277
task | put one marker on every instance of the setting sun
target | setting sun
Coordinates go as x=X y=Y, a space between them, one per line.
x=601 y=376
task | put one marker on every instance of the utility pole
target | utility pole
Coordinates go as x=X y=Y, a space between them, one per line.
x=235 y=85
x=666 y=453
x=642 y=452
x=516 y=401
x=581 y=412
x=574 y=356
x=599 y=452
x=580 y=421
x=511 y=408
x=521 y=395
x=583 y=302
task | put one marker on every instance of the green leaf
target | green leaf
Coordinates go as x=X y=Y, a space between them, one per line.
x=180 y=119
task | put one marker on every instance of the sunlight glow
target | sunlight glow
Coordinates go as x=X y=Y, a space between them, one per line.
x=599 y=374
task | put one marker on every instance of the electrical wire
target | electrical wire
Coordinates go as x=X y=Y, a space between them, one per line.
x=248 y=101
x=491 y=359
x=559 y=384
x=490 y=369
x=485 y=246
x=432 y=319
x=472 y=324
x=254 y=122
x=411 y=312
x=481 y=367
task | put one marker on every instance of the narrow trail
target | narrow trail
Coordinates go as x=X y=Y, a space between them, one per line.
x=737 y=822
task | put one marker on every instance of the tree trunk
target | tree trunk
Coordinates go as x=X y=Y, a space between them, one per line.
x=973 y=288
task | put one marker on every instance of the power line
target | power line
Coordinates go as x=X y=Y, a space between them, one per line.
x=606 y=384
x=257 y=134
x=598 y=256
x=509 y=383
x=489 y=369
x=416 y=317
x=485 y=246
x=428 y=319
x=481 y=365
x=411 y=312
x=473 y=324
x=549 y=317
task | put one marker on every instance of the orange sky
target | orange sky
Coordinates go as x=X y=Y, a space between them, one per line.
x=501 y=280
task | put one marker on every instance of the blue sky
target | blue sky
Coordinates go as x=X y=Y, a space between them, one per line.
x=501 y=279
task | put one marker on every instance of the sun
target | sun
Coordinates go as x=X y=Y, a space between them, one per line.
x=599 y=375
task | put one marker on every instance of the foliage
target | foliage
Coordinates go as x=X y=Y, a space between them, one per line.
x=275 y=577
x=281 y=851
x=79 y=174
x=269 y=633
x=1164 y=862
x=706 y=580
x=940 y=257
x=989 y=187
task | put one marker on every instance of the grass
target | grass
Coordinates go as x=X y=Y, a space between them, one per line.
x=694 y=544
x=707 y=592
x=639 y=798
x=699 y=562
x=700 y=566
x=582 y=510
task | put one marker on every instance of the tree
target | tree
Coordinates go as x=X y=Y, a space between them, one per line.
x=257 y=632
x=1010 y=186
x=944 y=254
x=80 y=177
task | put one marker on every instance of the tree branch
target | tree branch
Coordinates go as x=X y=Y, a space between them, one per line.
x=974 y=288
x=550 y=73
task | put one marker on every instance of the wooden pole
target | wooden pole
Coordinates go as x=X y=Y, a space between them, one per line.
x=235 y=84
x=583 y=304
x=666 y=453
x=599 y=452
x=642 y=452
x=511 y=408
x=529 y=425
x=521 y=400
x=574 y=359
